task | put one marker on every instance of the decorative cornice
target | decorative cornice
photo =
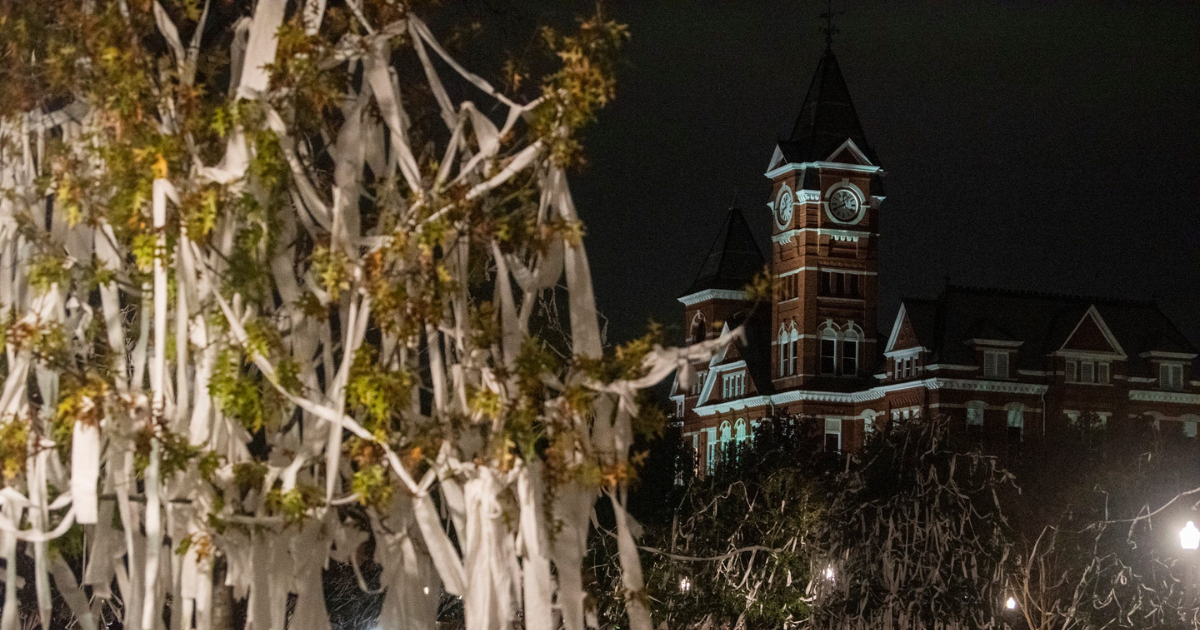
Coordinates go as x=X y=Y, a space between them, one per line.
x=875 y=393
x=714 y=294
x=951 y=366
x=1149 y=395
x=1178 y=356
x=797 y=166
x=999 y=343
x=835 y=234
x=1003 y=387
x=731 y=405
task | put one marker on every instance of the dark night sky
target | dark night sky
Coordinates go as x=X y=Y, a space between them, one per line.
x=1047 y=146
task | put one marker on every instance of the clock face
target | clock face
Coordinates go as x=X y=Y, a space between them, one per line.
x=783 y=208
x=844 y=205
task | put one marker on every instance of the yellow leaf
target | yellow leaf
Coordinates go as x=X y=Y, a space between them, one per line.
x=160 y=167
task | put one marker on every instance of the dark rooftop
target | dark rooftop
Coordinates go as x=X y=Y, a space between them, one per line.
x=734 y=258
x=827 y=118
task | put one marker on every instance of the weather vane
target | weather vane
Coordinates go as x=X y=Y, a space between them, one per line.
x=830 y=30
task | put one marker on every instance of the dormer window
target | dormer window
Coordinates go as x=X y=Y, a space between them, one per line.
x=1170 y=375
x=995 y=364
x=1088 y=371
x=733 y=385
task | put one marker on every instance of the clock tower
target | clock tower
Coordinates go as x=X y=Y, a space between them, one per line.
x=825 y=199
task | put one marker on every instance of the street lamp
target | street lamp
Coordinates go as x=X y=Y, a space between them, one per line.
x=1011 y=603
x=1189 y=536
x=685 y=585
x=829 y=573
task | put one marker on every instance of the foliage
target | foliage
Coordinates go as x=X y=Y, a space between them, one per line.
x=270 y=286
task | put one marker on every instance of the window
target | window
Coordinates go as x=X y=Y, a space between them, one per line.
x=711 y=450
x=698 y=383
x=739 y=430
x=868 y=421
x=1072 y=417
x=1102 y=372
x=1072 y=374
x=975 y=410
x=733 y=385
x=783 y=352
x=833 y=435
x=789 y=349
x=679 y=408
x=789 y=287
x=850 y=357
x=1170 y=375
x=794 y=352
x=699 y=328
x=828 y=356
x=995 y=364
x=1016 y=421
x=1189 y=425
x=1087 y=372
x=840 y=284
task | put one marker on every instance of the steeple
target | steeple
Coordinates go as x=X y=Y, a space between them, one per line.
x=827 y=118
x=733 y=259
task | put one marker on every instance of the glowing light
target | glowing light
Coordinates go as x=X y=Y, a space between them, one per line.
x=685 y=585
x=1011 y=603
x=829 y=573
x=1189 y=537
x=426 y=590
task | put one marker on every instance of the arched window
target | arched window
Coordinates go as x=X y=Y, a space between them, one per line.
x=699 y=328
x=740 y=430
x=793 y=349
x=828 y=349
x=975 y=409
x=725 y=434
x=783 y=351
x=868 y=417
x=1016 y=421
x=851 y=341
x=1189 y=425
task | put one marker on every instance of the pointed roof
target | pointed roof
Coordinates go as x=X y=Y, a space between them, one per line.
x=827 y=119
x=733 y=259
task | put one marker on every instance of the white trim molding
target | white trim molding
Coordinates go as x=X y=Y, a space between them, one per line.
x=1169 y=356
x=838 y=235
x=876 y=393
x=1109 y=337
x=714 y=294
x=777 y=167
x=1147 y=395
x=997 y=343
x=1003 y=387
x=952 y=366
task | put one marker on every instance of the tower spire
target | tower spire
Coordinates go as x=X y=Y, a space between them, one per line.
x=829 y=29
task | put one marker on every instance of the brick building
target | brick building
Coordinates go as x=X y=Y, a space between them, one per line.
x=1000 y=363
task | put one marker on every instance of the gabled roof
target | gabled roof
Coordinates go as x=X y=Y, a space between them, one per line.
x=827 y=118
x=734 y=258
x=1043 y=322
